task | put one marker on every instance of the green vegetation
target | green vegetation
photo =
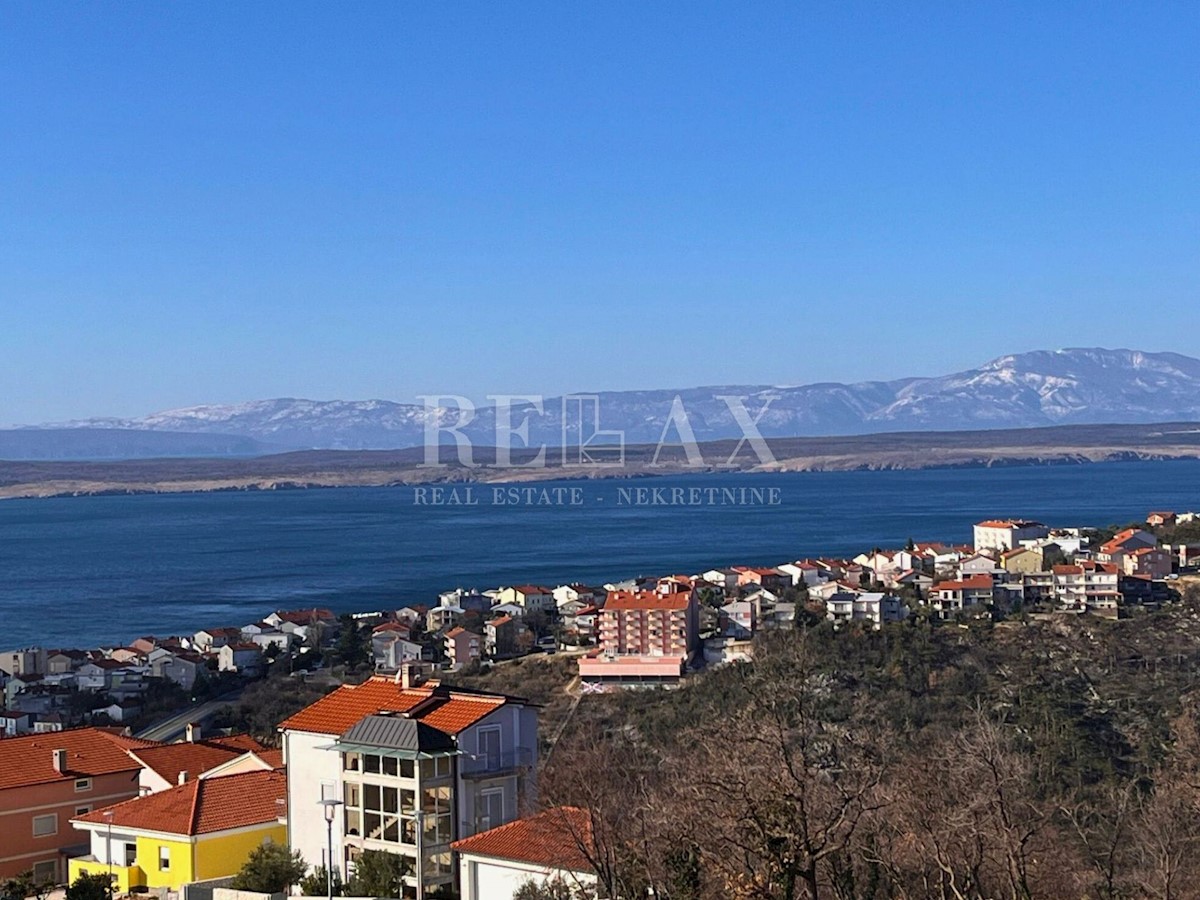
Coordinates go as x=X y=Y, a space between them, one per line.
x=316 y=883
x=271 y=869
x=378 y=873
x=97 y=886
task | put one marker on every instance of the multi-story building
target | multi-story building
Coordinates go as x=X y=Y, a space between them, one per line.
x=645 y=637
x=950 y=597
x=530 y=597
x=873 y=607
x=1088 y=586
x=48 y=779
x=463 y=647
x=1021 y=561
x=406 y=768
x=1005 y=534
x=1152 y=561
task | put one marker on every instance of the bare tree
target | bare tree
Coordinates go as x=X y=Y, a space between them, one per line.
x=777 y=789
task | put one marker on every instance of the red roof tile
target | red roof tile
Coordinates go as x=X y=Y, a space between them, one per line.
x=169 y=760
x=974 y=583
x=91 y=752
x=203 y=806
x=443 y=708
x=633 y=600
x=559 y=838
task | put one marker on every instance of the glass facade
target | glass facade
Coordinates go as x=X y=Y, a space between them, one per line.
x=401 y=805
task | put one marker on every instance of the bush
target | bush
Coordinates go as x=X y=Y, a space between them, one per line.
x=378 y=873
x=271 y=869
x=316 y=883
x=90 y=887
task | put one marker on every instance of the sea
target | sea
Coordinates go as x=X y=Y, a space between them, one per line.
x=94 y=571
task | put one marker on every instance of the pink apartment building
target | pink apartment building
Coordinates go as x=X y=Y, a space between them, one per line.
x=645 y=637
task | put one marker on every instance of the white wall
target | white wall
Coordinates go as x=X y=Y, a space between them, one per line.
x=308 y=768
x=484 y=878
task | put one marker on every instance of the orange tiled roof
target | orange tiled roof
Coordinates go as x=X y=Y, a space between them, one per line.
x=29 y=760
x=974 y=583
x=203 y=806
x=559 y=838
x=273 y=758
x=169 y=760
x=443 y=708
x=647 y=600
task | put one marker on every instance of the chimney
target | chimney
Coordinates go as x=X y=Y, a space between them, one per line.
x=60 y=761
x=410 y=675
x=183 y=777
x=193 y=732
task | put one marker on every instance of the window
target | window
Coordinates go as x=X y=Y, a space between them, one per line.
x=437 y=806
x=380 y=818
x=351 y=761
x=45 y=825
x=491 y=809
x=82 y=785
x=164 y=858
x=371 y=764
x=489 y=747
x=45 y=871
x=437 y=865
x=82 y=810
x=438 y=767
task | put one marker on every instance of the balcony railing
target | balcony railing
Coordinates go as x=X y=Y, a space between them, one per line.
x=490 y=765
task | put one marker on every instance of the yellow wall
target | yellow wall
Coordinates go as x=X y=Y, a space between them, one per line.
x=212 y=856
x=221 y=855
x=179 y=872
x=124 y=877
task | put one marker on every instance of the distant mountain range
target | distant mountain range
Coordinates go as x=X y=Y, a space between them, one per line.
x=1040 y=388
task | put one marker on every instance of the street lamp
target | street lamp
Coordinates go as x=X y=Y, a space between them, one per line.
x=331 y=806
x=108 y=817
x=420 y=817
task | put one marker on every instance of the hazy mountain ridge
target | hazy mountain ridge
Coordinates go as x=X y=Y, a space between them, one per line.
x=1039 y=388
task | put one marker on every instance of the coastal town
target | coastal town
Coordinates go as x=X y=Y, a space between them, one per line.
x=115 y=764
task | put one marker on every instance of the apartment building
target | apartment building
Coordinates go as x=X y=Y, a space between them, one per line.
x=408 y=768
x=645 y=637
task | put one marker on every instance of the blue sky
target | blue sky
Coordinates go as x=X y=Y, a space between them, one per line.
x=223 y=201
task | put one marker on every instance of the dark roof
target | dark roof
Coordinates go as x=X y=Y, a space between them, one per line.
x=398 y=733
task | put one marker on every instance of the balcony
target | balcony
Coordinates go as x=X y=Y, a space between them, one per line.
x=494 y=765
x=125 y=878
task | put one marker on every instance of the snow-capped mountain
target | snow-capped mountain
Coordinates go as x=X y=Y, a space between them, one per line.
x=1075 y=386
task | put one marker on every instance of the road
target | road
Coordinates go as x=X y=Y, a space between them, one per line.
x=171 y=728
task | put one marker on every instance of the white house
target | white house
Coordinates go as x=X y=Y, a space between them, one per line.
x=725 y=579
x=873 y=607
x=388 y=748
x=553 y=845
x=245 y=658
x=803 y=571
x=1005 y=534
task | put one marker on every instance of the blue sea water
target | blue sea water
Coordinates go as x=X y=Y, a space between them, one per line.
x=91 y=570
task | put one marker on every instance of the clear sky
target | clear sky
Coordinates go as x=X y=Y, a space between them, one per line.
x=215 y=202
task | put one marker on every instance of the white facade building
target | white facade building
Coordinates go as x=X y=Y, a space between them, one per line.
x=415 y=767
x=1005 y=534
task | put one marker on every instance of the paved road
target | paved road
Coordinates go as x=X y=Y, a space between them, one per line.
x=171 y=728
